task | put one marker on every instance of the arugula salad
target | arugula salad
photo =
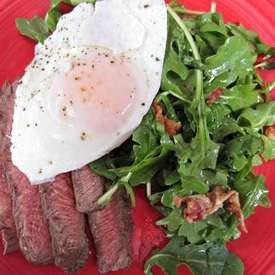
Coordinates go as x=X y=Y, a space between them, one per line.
x=211 y=122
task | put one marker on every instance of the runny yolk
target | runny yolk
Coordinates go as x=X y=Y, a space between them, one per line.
x=96 y=92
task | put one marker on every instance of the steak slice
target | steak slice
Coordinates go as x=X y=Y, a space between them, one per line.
x=88 y=187
x=10 y=241
x=66 y=224
x=7 y=225
x=111 y=228
x=31 y=226
x=6 y=219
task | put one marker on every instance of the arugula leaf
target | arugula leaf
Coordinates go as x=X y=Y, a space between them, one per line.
x=34 y=28
x=193 y=232
x=240 y=97
x=212 y=22
x=228 y=127
x=52 y=18
x=215 y=177
x=145 y=137
x=173 y=221
x=237 y=151
x=174 y=72
x=76 y=2
x=208 y=259
x=39 y=29
x=216 y=115
x=233 y=60
x=102 y=167
x=252 y=38
x=269 y=148
x=253 y=192
x=233 y=265
x=261 y=115
x=56 y=3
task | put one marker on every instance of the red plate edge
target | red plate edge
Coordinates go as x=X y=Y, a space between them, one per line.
x=257 y=248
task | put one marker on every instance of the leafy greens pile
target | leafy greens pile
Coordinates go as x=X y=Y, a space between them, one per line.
x=210 y=85
x=217 y=145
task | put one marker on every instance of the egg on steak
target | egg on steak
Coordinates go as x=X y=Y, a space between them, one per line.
x=88 y=86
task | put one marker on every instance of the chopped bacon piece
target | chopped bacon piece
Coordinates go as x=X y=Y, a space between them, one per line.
x=214 y=96
x=171 y=126
x=266 y=97
x=178 y=201
x=269 y=131
x=235 y=208
x=198 y=207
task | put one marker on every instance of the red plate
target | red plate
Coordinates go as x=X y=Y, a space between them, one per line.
x=257 y=248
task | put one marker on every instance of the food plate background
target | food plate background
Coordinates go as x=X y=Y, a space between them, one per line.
x=257 y=248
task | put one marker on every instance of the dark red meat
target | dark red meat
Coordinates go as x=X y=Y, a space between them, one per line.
x=10 y=241
x=7 y=225
x=6 y=220
x=88 y=187
x=111 y=228
x=66 y=224
x=31 y=226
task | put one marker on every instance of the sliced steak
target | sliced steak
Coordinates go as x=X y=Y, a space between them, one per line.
x=88 y=187
x=6 y=219
x=10 y=241
x=66 y=224
x=111 y=228
x=31 y=226
x=7 y=225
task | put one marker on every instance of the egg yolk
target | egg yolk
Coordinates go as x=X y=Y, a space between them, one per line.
x=96 y=92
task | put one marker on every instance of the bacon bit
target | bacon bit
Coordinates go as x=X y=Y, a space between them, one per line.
x=214 y=96
x=269 y=131
x=235 y=208
x=198 y=207
x=178 y=201
x=266 y=97
x=171 y=126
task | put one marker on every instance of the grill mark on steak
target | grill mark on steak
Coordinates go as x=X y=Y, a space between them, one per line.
x=111 y=228
x=88 y=187
x=7 y=226
x=66 y=224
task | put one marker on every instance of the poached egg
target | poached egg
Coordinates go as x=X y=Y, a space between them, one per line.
x=88 y=86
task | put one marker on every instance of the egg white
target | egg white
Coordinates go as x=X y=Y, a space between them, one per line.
x=45 y=143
